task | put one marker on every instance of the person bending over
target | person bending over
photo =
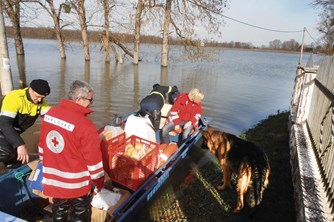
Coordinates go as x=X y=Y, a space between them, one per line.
x=19 y=110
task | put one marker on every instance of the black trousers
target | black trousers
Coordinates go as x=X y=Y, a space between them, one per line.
x=75 y=209
x=8 y=154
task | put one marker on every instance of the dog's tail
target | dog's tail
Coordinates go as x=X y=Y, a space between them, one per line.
x=260 y=173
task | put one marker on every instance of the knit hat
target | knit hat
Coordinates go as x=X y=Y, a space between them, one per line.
x=40 y=86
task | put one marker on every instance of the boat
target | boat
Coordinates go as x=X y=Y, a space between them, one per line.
x=19 y=203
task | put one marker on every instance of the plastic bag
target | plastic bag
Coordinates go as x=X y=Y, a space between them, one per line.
x=105 y=199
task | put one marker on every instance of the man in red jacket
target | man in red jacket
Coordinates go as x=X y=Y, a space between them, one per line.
x=69 y=147
x=184 y=115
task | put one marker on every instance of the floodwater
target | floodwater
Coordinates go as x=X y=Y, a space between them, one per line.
x=240 y=87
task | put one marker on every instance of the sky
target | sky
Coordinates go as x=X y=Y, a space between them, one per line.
x=284 y=15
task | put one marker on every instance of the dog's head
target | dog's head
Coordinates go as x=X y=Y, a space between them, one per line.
x=208 y=140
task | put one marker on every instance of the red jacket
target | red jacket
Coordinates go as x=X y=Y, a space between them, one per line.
x=69 y=148
x=185 y=110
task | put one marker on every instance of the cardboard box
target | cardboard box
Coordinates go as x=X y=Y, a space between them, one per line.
x=103 y=216
x=36 y=180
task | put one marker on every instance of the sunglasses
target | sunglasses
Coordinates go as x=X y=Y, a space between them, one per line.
x=90 y=100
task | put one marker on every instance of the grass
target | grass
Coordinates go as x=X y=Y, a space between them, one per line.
x=197 y=198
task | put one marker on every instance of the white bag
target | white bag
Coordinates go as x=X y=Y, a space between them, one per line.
x=140 y=126
x=105 y=199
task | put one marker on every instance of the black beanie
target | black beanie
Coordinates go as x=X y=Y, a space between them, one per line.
x=40 y=86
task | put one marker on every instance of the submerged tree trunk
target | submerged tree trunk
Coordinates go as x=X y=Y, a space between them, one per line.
x=105 y=38
x=84 y=34
x=139 y=11
x=164 y=50
x=5 y=71
x=58 y=30
x=12 y=9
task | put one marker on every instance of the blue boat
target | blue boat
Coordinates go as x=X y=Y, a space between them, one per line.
x=19 y=203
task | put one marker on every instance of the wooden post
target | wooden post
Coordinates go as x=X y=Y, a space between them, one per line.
x=5 y=71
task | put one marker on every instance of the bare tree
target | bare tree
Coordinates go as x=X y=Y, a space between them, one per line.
x=291 y=45
x=105 y=38
x=275 y=44
x=187 y=15
x=52 y=11
x=12 y=9
x=139 y=10
x=165 y=35
x=79 y=7
x=326 y=24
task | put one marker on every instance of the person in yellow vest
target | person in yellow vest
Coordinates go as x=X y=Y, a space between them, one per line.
x=19 y=110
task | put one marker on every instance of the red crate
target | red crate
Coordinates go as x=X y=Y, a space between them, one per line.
x=130 y=172
x=110 y=144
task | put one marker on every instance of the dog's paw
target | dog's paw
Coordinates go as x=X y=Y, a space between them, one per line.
x=237 y=210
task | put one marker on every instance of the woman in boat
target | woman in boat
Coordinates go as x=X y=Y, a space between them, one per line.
x=19 y=111
x=184 y=115
x=69 y=148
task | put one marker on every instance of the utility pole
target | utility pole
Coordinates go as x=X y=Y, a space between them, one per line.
x=302 y=47
x=6 y=80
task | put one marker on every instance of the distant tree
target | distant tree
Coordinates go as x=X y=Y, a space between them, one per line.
x=275 y=44
x=291 y=45
x=12 y=9
x=326 y=24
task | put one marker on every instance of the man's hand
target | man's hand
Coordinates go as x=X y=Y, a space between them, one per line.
x=22 y=154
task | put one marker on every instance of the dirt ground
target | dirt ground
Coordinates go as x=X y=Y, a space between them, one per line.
x=198 y=200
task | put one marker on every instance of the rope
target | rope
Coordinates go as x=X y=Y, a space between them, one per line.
x=19 y=176
x=267 y=29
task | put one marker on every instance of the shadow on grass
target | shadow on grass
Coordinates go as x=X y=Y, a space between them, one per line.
x=194 y=197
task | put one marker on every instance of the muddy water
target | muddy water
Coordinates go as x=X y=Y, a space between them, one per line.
x=240 y=87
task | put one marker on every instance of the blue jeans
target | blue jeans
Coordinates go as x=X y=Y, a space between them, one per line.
x=170 y=127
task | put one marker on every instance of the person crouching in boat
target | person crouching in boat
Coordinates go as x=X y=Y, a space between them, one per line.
x=184 y=115
x=69 y=148
x=19 y=110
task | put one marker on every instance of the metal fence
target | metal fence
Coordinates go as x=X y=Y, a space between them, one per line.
x=312 y=111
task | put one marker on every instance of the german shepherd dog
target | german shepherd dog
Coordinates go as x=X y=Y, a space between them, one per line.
x=242 y=158
x=153 y=103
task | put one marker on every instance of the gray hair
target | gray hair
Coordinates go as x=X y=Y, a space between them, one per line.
x=79 y=89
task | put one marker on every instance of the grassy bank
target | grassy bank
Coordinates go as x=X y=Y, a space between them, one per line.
x=200 y=201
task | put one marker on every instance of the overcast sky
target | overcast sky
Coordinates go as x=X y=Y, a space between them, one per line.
x=285 y=15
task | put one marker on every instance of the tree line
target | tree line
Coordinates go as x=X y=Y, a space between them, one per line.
x=106 y=21
x=94 y=36
x=171 y=18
